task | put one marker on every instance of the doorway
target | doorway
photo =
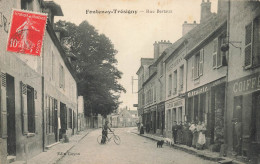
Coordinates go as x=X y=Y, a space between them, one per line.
x=10 y=99
x=237 y=124
x=55 y=106
x=63 y=119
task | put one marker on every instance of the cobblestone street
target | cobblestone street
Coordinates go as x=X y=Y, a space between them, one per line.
x=133 y=149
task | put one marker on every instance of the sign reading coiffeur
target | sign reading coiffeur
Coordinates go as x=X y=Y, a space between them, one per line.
x=26 y=32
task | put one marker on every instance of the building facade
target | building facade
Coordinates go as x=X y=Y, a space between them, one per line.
x=31 y=94
x=175 y=84
x=242 y=116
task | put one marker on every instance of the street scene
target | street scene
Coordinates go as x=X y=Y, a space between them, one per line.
x=133 y=149
x=129 y=81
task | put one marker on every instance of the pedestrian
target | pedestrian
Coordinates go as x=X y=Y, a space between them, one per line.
x=193 y=129
x=179 y=133
x=141 y=129
x=201 y=136
x=189 y=135
x=174 y=131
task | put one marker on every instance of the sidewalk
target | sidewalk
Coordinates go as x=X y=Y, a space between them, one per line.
x=205 y=154
x=55 y=153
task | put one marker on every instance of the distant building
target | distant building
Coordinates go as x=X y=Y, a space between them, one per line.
x=126 y=118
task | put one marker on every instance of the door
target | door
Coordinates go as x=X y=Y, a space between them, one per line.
x=10 y=99
x=237 y=124
x=56 y=120
x=63 y=119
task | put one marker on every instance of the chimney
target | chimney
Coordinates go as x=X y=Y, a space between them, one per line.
x=159 y=47
x=186 y=27
x=205 y=10
x=223 y=7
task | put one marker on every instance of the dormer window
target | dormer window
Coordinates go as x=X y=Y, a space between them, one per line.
x=27 y=5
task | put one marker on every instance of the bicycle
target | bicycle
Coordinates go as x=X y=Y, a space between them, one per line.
x=116 y=138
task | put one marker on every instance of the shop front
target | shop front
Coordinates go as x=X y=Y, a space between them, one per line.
x=243 y=123
x=150 y=119
x=175 y=111
x=160 y=119
x=206 y=104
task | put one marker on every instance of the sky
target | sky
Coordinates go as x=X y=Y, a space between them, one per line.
x=133 y=34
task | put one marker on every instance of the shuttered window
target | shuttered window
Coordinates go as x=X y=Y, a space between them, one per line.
x=3 y=113
x=256 y=42
x=214 y=55
x=201 y=62
x=24 y=107
x=248 y=45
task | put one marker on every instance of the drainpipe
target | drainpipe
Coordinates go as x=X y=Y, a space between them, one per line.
x=226 y=87
x=43 y=122
x=186 y=69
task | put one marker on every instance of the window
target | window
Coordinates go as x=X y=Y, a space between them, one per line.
x=154 y=94
x=161 y=91
x=70 y=119
x=252 y=44
x=220 y=53
x=50 y=107
x=52 y=66
x=170 y=85
x=181 y=74
x=62 y=78
x=30 y=109
x=197 y=64
x=175 y=82
x=214 y=55
x=27 y=5
x=161 y=68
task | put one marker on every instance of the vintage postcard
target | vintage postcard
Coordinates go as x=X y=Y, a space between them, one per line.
x=129 y=81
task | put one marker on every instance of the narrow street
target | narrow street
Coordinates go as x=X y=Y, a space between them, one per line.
x=133 y=149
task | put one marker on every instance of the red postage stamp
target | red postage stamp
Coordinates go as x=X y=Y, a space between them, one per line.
x=26 y=32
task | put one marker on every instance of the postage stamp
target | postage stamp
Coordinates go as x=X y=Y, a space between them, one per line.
x=26 y=32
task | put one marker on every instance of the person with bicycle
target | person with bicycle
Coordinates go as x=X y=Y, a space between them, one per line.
x=105 y=129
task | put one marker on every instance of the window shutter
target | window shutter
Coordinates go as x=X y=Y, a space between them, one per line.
x=201 y=62
x=3 y=106
x=24 y=108
x=214 y=56
x=192 y=67
x=35 y=115
x=248 y=45
x=256 y=42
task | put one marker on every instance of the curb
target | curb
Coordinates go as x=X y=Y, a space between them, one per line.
x=203 y=156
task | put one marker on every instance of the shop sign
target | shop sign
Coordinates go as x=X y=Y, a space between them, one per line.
x=205 y=88
x=174 y=104
x=248 y=83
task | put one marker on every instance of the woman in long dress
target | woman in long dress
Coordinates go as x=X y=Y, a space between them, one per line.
x=193 y=129
x=201 y=136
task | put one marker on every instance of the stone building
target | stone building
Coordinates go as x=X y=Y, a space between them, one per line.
x=175 y=84
x=36 y=91
x=242 y=115
x=142 y=76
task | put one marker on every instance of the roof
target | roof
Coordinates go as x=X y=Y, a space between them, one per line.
x=170 y=50
x=150 y=60
x=60 y=49
x=133 y=112
x=56 y=9
x=197 y=35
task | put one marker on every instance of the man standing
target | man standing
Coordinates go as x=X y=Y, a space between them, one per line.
x=174 y=131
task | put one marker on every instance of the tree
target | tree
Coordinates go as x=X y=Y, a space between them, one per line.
x=95 y=66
